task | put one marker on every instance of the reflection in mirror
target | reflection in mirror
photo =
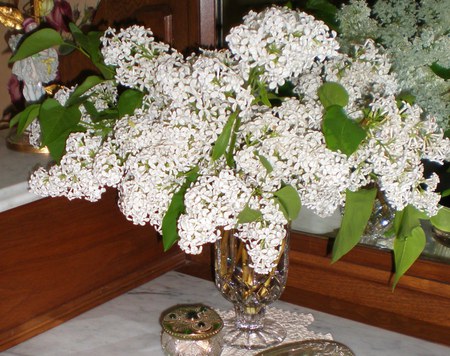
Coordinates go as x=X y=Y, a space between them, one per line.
x=436 y=249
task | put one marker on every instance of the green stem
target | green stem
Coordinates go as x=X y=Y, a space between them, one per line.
x=230 y=153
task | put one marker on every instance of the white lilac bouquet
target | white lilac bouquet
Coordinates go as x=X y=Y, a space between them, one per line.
x=240 y=138
x=416 y=37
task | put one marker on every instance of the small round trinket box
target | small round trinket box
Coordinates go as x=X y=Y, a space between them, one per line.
x=191 y=330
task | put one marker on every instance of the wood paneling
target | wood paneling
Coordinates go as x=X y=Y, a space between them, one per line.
x=184 y=24
x=358 y=287
x=60 y=258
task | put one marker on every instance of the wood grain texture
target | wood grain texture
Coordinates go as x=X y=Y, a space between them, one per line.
x=358 y=287
x=60 y=258
x=184 y=24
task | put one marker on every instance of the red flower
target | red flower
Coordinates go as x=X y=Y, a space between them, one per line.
x=61 y=16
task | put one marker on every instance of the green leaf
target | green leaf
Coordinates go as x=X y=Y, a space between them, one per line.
x=409 y=241
x=407 y=250
x=129 y=101
x=248 y=215
x=96 y=56
x=192 y=175
x=230 y=153
x=79 y=36
x=263 y=95
x=441 y=220
x=37 y=42
x=406 y=220
x=445 y=193
x=358 y=208
x=176 y=208
x=90 y=43
x=323 y=10
x=222 y=141
x=25 y=117
x=96 y=116
x=66 y=48
x=405 y=97
x=341 y=132
x=88 y=84
x=440 y=71
x=447 y=133
x=169 y=223
x=332 y=93
x=265 y=162
x=289 y=200
x=57 y=122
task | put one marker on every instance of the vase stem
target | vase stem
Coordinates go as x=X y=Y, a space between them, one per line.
x=249 y=318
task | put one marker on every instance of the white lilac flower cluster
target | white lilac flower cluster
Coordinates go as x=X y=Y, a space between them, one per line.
x=273 y=40
x=415 y=34
x=190 y=102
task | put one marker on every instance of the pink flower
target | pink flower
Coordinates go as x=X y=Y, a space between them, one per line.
x=15 y=90
x=61 y=16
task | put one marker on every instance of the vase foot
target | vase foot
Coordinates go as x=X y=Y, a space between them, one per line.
x=272 y=333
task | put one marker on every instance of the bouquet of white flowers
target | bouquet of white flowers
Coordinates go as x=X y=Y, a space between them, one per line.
x=240 y=138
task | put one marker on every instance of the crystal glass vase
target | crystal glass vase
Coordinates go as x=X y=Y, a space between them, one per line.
x=379 y=224
x=249 y=292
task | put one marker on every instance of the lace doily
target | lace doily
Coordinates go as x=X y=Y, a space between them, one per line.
x=296 y=328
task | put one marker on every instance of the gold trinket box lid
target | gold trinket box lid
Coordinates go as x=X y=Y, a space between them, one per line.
x=191 y=322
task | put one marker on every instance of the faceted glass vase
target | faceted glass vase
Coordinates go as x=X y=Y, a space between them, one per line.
x=379 y=224
x=250 y=293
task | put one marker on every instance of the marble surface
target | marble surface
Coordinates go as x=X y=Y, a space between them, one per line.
x=129 y=325
x=15 y=168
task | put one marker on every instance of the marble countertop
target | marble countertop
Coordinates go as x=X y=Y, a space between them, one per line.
x=129 y=325
x=15 y=168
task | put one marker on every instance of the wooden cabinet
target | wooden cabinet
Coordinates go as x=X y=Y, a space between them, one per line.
x=184 y=24
x=60 y=258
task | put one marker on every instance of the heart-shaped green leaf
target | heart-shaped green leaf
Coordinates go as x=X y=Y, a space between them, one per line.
x=358 y=208
x=406 y=220
x=88 y=83
x=289 y=200
x=169 y=225
x=25 y=117
x=220 y=146
x=248 y=215
x=442 y=219
x=341 y=132
x=37 y=42
x=57 y=122
x=407 y=250
x=332 y=93
x=129 y=101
